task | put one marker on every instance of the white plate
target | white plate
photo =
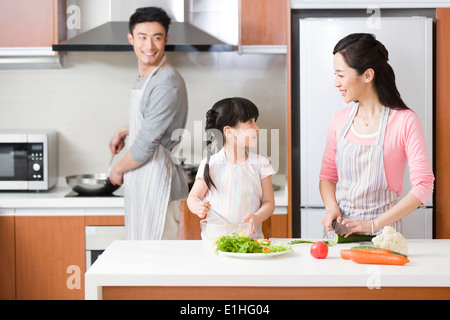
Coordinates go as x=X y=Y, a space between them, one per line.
x=254 y=255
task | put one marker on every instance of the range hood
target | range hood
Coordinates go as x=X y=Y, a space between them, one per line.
x=112 y=36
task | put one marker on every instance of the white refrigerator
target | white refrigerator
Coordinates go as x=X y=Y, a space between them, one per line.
x=409 y=42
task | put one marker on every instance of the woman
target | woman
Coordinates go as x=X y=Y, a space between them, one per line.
x=369 y=144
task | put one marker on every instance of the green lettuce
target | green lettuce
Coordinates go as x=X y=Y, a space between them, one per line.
x=243 y=244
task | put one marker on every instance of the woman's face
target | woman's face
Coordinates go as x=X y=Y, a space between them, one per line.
x=351 y=85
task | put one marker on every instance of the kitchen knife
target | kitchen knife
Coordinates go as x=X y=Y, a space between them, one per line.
x=339 y=228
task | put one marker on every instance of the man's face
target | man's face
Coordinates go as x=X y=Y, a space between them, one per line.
x=148 y=40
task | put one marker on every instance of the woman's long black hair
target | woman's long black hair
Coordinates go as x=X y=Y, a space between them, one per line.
x=226 y=112
x=362 y=51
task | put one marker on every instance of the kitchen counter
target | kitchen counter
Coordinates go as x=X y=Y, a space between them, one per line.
x=56 y=198
x=181 y=269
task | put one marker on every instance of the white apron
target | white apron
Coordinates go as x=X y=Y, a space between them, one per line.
x=362 y=191
x=238 y=192
x=146 y=188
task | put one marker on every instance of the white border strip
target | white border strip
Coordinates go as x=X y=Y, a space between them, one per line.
x=320 y=4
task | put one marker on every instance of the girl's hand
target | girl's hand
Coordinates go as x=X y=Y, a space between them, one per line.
x=331 y=215
x=254 y=219
x=201 y=208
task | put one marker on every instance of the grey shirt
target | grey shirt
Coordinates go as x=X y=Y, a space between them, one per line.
x=164 y=107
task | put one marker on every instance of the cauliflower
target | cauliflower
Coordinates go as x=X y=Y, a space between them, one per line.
x=392 y=240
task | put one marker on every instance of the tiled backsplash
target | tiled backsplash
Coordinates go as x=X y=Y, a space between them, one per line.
x=88 y=99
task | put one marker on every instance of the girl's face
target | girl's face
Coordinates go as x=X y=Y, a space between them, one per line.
x=245 y=133
x=351 y=85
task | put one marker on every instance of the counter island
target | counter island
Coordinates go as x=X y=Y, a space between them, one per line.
x=190 y=270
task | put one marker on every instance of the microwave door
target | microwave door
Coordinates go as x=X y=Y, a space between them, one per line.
x=13 y=162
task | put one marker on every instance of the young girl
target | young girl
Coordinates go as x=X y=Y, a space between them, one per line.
x=234 y=182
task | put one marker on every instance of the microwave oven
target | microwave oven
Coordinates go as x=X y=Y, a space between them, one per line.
x=28 y=159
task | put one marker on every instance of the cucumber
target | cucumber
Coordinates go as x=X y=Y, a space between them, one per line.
x=354 y=238
x=327 y=242
x=400 y=254
x=364 y=247
x=368 y=247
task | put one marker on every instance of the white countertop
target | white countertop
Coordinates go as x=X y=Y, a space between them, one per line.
x=24 y=201
x=191 y=263
x=54 y=198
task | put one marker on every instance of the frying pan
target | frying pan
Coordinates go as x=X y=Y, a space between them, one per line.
x=91 y=184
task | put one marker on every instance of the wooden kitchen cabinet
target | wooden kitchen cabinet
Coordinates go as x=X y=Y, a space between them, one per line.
x=280 y=225
x=7 y=259
x=32 y=23
x=442 y=174
x=263 y=22
x=105 y=220
x=189 y=228
x=50 y=257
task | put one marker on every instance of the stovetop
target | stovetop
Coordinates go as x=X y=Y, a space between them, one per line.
x=73 y=194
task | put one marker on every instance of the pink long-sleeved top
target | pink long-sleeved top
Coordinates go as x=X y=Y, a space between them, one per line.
x=404 y=142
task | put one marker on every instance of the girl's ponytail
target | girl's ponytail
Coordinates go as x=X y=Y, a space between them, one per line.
x=211 y=117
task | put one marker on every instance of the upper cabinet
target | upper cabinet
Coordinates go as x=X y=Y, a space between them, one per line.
x=263 y=25
x=30 y=23
x=35 y=26
x=29 y=28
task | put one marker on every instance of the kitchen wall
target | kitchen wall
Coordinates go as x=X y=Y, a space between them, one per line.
x=88 y=99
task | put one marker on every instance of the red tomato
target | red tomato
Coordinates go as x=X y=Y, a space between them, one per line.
x=319 y=250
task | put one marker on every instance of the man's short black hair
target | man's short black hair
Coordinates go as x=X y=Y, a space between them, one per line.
x=149 y=14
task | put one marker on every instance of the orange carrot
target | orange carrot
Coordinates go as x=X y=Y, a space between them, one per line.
x=345 y=253
x=361 y=256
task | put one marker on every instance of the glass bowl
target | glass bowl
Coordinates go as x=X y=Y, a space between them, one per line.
x=213 y=230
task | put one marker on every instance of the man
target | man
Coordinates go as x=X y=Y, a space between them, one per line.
x=153 y=184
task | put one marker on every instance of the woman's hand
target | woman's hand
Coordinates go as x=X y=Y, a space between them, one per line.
x=357 y=226
x=331 y=214
x=332 y=211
